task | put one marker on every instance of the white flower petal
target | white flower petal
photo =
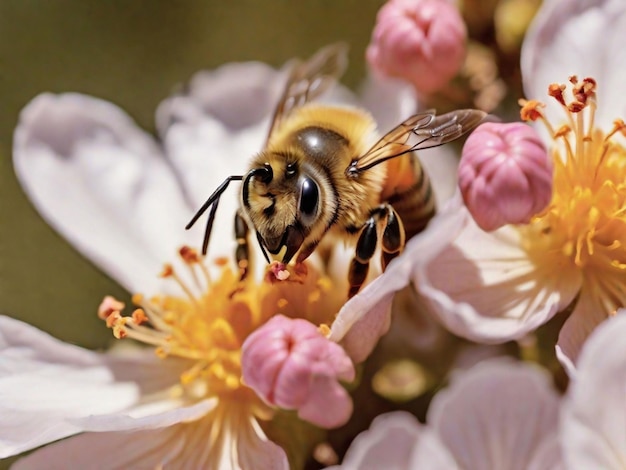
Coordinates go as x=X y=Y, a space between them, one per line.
x=588 y=314
x=189 y=445
x=154 y=415
x=213 y=130
x=44 y=383
x=102 y=183
x=578 y=37
x=593 y=427
x=485 y=287
x=431 y=454
x=146 y=449
x=255 y=450
x=549 y=455
x=388 y=443
x=495 y=416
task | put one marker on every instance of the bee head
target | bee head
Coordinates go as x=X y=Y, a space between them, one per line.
x=283 y=202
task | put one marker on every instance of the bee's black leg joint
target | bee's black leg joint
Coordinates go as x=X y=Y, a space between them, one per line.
x=393 y=236
x=242 y=252
x=365 y=249
x=384 y=217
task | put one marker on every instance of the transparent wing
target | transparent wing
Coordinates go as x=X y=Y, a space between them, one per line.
x=307 y=80
x=420 y=131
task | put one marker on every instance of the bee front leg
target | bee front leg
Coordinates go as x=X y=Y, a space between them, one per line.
x=242 y=252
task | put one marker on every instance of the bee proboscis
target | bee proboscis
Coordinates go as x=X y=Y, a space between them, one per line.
x=322 y=171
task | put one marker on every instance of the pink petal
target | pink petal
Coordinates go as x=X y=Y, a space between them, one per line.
x=422 y=42
x=290 y=364
x=505 y=174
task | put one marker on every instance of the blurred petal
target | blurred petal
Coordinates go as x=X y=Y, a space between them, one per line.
x=578 y=37
x=593 y=426
x=257 y=451
x=102 y=183
x=389 y=100
x=431 y=454
x=159 y=414
x=366 y=317
x=549 y=455
x=44 y=383
x=388 y=443
x=495 y=416
x=187 y=445
x=212 y=131
x=486 y=287
x=588 y=314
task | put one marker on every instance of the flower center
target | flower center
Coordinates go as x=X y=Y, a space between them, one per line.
x=585 y=223
x=209 y=323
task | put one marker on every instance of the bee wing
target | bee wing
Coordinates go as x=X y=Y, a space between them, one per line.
x=420 y=131
x=307 y=80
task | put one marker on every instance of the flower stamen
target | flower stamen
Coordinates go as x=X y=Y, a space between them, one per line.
x=584 y=226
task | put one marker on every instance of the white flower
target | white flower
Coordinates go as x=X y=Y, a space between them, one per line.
x=593 y=429
x=123 y=199
x=494 y=287
x=502 y=414
x=499 y=414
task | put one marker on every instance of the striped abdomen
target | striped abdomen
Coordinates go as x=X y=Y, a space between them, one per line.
x=409 y=191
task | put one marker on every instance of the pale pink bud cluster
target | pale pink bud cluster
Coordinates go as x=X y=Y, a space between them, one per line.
x=290 y=364
x=420 y=41
x=505 y=174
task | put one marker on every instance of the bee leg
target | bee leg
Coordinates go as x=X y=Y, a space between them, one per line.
x=392 y=244
x=365 y=248
x=306 y=251
x=242 y=252
x=393 y=236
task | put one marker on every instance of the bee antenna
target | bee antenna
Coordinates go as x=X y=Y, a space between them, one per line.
x=265 y=174
x=213 y=200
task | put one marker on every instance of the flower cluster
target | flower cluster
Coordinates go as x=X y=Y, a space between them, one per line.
x=502 y=323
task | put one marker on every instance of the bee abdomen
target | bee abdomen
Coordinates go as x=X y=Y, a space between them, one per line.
x=415 y=204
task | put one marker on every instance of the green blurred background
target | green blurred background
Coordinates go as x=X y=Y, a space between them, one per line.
x=132 y=53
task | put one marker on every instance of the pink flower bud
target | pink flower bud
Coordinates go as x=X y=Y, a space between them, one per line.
x=290 y=364
x=420 y=41
x=505 y=174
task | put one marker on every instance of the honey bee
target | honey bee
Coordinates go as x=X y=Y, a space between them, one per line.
x=322 y=172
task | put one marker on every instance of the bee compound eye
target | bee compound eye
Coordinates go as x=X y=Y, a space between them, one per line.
x=309 y=200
